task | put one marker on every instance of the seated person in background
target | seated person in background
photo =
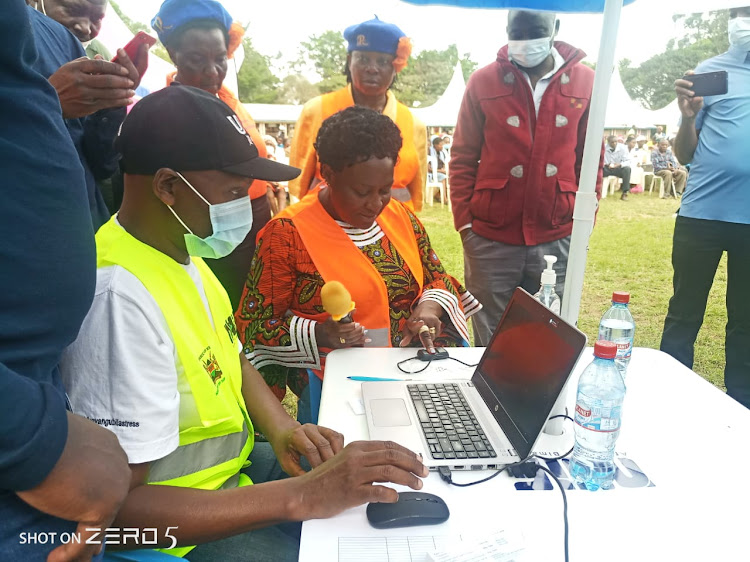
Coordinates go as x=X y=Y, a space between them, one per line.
x=93 y=93
x=438 y=156
x=158 y=361
x=667 y=168
x=617 y=163
x=643 y=153
x=276 y=191
x=658 y=135
x=636 y=167
x=350 y=230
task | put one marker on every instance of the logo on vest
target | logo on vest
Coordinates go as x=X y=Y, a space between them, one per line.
x=231 y=329
x=209 y=362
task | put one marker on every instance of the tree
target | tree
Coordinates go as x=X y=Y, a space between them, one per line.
x=296 y=89
x=255 y=81
x=428 y=74
x=326 y=54
x=652 y=83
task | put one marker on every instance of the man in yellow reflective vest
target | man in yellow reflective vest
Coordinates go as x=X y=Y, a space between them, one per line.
x=158 y=361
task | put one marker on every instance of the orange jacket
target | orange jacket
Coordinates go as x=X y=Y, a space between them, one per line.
x=411 y=169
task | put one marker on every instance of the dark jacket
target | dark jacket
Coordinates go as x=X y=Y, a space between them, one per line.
x=514 y=175
x=47 y=278
x=94 y=135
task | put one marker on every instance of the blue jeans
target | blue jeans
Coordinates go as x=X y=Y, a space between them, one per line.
x=308 y=404
x=270 y=544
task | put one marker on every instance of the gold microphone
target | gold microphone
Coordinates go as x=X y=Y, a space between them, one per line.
x=337 y=301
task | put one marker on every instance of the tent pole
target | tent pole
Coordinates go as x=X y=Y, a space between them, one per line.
x=586 y=202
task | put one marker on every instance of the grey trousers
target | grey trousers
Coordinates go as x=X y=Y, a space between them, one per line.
x=493 y=270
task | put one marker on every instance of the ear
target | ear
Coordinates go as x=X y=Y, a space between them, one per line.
x=328 y=174
x=164 y=182
x=172 y=54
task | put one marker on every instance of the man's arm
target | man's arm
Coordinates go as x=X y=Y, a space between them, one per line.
x=289 y=439
x=465 y=154
x=349 y=479
x=686 y=140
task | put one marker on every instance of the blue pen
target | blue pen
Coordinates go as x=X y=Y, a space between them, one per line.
x=374 y=379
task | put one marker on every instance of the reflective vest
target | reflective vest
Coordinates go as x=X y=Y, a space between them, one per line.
x=337 y=259
x=210 y=454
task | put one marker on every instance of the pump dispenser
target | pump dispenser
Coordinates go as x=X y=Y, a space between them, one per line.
x=546 y=294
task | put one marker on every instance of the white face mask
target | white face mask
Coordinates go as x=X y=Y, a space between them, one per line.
x=230 y=223
x=739 y=33
x=531 y=53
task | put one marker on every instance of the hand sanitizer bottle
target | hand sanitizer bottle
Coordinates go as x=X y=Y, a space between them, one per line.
x=546 y=294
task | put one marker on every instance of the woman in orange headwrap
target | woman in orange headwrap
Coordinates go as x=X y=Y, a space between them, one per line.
x=200 y=37
x=377 y=52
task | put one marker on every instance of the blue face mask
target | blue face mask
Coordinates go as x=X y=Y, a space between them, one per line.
x=230 y=223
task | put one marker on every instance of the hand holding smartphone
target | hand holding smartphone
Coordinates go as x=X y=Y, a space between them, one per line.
x=133 y=46
x=709 y=83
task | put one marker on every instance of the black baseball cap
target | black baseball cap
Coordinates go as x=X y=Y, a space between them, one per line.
x=187 y=129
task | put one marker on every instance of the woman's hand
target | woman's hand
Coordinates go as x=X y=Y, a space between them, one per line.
x=428 y=314
x=339 y=335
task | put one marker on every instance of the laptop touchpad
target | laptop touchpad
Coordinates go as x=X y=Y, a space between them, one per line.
x=389 y=412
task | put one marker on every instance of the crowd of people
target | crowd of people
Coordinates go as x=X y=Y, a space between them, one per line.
x=632 y=161
x=144 y=353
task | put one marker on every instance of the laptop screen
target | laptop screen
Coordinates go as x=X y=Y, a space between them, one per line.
x=525 y=366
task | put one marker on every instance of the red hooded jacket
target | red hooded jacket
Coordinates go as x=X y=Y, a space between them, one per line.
x=514 y=175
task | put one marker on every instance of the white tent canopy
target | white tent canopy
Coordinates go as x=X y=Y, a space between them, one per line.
x=444 y=112
x=624 y=112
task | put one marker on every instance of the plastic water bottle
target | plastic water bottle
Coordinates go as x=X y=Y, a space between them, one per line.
x=601 y=391
x=618 y=326
x=547 y=295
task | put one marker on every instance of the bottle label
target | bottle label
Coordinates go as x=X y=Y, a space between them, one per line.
x=598 y=415
x=624 y=348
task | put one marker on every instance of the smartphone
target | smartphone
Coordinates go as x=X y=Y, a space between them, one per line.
x=709 y=84
x=141 y=38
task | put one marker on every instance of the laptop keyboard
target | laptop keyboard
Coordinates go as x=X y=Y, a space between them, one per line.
x=448 y=423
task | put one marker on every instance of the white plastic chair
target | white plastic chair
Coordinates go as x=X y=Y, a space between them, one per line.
x=429 y=193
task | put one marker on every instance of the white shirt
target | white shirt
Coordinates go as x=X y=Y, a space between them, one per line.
x=617 y=155
x=543 y=83
x=123 y=371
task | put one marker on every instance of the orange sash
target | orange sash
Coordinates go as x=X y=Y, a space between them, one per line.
x=258 y=187
x=337 y=258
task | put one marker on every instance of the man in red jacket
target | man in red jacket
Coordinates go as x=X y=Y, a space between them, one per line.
x=516 y=163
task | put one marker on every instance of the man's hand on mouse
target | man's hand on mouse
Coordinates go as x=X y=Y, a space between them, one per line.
x=350 y=478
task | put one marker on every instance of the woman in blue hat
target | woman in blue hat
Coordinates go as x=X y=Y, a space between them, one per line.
x=377 y=52
x=200 y=37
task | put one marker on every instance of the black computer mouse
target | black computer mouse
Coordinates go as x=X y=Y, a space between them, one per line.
x=412 y=508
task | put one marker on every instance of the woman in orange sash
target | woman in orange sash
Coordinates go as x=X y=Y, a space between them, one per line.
x=377 y=52
x=349 y=229
x=200 y=37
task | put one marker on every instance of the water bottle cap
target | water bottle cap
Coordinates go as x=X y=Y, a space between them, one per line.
x=622 y=297
x=605 y=349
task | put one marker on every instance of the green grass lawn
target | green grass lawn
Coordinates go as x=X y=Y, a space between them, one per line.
x=630 y=250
